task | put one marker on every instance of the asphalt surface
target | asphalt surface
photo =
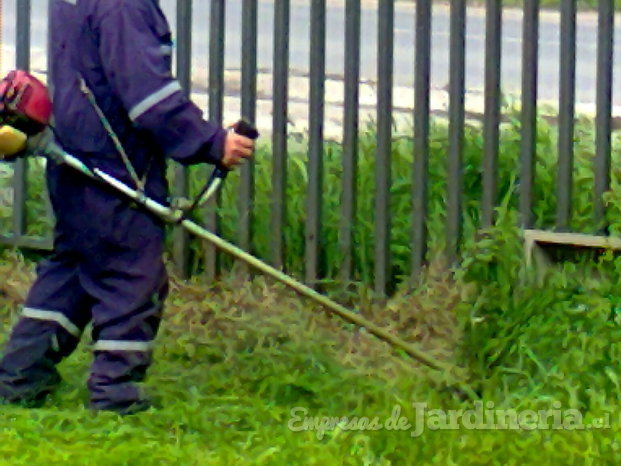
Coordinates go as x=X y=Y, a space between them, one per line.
x=404 y=41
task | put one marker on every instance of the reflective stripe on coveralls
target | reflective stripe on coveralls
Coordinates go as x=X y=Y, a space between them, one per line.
x=53 y=316
x=119 y=345
x=155 y=98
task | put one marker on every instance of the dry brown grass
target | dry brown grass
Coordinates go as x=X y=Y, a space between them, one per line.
x=16 y=275
x=258 y=313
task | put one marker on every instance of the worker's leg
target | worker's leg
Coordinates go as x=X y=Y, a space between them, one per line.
x=55 y=312
x=129 y=283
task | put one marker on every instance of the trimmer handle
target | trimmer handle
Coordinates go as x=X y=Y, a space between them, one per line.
x=244 y=128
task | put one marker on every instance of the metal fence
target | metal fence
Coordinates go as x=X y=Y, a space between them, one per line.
x=421 y=116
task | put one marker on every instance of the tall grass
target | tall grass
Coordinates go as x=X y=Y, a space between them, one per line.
x=401 y=195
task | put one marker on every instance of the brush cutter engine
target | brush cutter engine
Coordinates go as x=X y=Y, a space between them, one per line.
x=25 y=110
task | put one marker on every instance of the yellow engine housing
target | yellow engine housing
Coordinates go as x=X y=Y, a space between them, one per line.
x=12 y=141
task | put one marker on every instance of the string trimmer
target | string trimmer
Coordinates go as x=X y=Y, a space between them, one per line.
x=24 y=112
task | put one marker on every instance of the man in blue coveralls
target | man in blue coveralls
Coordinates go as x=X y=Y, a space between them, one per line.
x=107 y=262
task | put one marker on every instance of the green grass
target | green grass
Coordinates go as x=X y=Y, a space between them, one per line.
x=234 y=363
x=235 y=358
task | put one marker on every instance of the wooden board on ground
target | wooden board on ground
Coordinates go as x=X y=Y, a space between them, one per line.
x=534 y=238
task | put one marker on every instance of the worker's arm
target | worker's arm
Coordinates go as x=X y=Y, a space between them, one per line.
x=135 y=50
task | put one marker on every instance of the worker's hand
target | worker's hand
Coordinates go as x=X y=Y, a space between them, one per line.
x=236 y=149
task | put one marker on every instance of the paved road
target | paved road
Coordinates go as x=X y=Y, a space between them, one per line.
x=404 y=44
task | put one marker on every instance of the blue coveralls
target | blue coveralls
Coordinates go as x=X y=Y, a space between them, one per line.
x=107 y=260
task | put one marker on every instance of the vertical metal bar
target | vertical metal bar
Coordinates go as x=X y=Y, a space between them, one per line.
x=456 y=125
x=385 y=53
x=49 y=54
x=22 y=61
x=421 y=135
x=2 y=30
x=216 y=60
x=216 y=104
x=493 y=57
x=49 y=211
x=184 y=44
x=248 y=110
x=566 y=113
x=530 y=51
x=350 y=135
x=22 y=51
x=181 y=243
x=605 y=46
x=279 y=128
x=315 y=143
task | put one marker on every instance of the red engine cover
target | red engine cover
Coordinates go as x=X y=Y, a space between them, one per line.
x=25 y=98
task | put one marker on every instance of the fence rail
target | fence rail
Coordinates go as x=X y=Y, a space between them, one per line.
x=352 y=41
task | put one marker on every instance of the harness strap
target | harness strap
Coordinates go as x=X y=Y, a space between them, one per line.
x=140 y=183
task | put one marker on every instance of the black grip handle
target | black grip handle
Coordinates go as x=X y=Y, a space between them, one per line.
x=244 y=128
